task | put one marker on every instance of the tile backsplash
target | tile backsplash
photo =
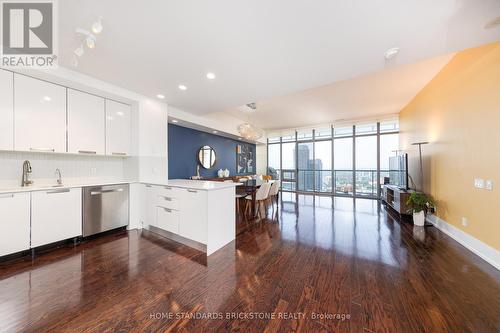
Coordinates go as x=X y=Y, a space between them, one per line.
x=74 y=168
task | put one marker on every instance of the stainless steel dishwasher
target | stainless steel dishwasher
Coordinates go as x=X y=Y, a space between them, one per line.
x=105 y=208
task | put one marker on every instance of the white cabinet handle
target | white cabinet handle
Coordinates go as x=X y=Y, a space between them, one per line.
x=43 y=149
x=192 y=191
x=167 y=198
x=167 y=187
x=6 y=196
x=119 y=154
x=149 y=186
x=65 y=190
x=90 y=152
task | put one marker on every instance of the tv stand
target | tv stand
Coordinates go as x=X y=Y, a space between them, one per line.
x=396 y=198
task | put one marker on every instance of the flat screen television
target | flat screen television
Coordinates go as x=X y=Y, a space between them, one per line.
x=398 y=171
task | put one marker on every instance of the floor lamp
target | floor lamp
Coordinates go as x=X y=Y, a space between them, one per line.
x=420 y=144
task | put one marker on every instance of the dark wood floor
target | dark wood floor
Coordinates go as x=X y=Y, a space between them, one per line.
x=354 y=262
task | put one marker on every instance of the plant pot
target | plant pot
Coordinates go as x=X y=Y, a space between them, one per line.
x=419 y=218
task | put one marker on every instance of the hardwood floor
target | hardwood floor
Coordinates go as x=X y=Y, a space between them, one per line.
x=354 y=262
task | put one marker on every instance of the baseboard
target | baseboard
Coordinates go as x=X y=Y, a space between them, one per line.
x=486 y=252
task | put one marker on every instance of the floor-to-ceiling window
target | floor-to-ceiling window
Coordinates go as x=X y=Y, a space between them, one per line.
x=349 y=160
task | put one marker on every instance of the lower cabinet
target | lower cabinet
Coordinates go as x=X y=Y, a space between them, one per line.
x=194 y=212
x=178 y=210
x=14 y=223
x=55 y=215
x=168 y=219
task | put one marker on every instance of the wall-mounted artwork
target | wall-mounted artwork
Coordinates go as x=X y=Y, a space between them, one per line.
x=245 y=159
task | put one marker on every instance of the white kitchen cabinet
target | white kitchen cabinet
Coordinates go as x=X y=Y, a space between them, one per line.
x=118 y=125
x=168 y=219
x=86 y=123
x=14 y=222
x=150 y=213
x=40 y=115
x=55 y=215
x=193 y=212
x=6 y=110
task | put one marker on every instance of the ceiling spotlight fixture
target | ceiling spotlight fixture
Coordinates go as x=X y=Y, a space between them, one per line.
x=210 y=76
x=90 y=38
x=240 y=138
x=160 y=96
x=175 y=121
x=215 y=132
x=90 y=41
x=182 y=87
x=391 y=53
x=97 y=26
x=47 y=98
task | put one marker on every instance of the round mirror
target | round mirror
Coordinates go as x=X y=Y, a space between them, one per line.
x=206 y=157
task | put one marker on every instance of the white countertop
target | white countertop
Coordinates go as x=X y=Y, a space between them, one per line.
x=47 y=187
x=181 y=183
x=203 y=185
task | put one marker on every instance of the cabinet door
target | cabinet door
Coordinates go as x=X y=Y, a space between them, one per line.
x=55 y=215
x=117 y=128
x=167 y=219
x=86 y=124
x=6 y=110
x=193 y=222
x=40 y=115
x=14 y=223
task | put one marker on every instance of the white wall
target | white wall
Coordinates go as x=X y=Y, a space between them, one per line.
x=261 y=159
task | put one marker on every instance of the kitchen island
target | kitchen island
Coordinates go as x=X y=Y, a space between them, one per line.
x=197 y=213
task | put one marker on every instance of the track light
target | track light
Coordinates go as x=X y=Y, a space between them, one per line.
x=97 y=26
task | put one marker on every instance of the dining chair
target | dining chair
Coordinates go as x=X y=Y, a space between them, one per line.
x=266 y=177
x=260 y=198
x=273 y=194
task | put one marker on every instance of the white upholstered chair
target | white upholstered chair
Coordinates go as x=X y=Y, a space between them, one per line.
x=260 y=198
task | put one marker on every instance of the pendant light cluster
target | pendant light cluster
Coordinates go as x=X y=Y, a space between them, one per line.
x=249 y=131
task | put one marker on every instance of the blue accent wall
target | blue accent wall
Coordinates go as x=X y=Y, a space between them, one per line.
x=183 y=146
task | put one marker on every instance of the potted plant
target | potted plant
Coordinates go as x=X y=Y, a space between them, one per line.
x=420 y=204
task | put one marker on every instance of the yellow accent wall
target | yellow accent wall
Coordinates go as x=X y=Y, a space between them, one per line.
x=458 y=112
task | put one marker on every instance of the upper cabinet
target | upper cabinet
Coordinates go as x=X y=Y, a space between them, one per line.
x=117 y=128
x=86 y=124
x=40 y=115
x=6 y=110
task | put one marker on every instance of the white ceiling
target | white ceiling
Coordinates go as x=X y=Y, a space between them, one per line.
x=261 y=49
x=383 y=93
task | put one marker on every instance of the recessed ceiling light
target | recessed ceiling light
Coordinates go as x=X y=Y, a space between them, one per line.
x=160 y=96
x=240 y=138
x=391 y=53
x=175 y=121
x=210 y=76
x=182 y=87
x=215 y=132
x=47 y=98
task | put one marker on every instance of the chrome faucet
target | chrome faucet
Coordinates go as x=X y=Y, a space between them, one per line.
x=59 y=176
x=26 y=172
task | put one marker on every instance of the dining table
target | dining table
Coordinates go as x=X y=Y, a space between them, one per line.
x=251 y=186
